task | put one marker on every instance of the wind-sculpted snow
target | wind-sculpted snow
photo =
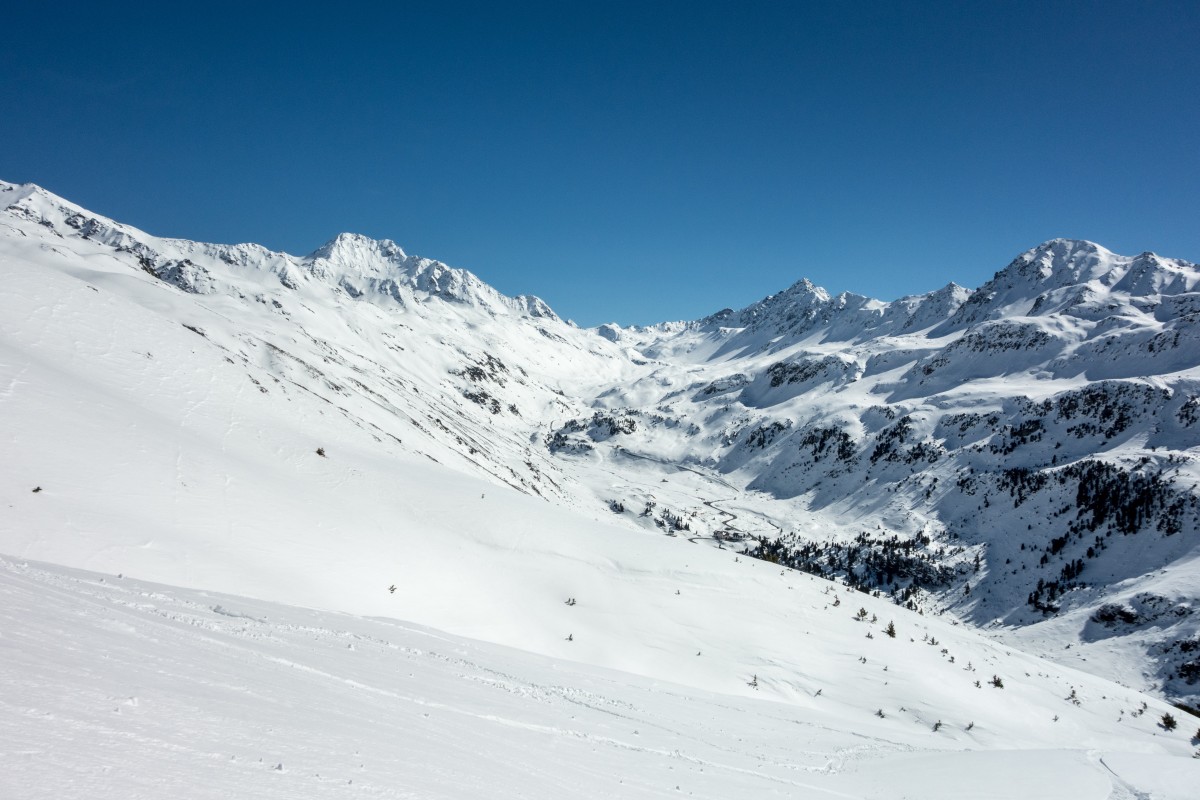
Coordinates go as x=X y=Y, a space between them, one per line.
x=1021 y=456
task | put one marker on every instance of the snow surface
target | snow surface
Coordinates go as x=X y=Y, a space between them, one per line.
x=118 y=688
x=312 y=431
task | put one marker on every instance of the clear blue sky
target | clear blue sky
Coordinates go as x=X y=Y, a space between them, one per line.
x=634 y=162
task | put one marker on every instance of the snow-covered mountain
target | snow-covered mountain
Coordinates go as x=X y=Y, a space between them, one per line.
x=1024 y=453
x=378 y=434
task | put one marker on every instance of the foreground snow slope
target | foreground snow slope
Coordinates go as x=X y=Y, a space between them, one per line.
x=117 y=688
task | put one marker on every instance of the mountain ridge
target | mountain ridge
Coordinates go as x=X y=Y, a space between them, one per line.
x=353 y=262
x=368 y=258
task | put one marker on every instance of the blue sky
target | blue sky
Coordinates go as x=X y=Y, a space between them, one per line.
x=634 y=162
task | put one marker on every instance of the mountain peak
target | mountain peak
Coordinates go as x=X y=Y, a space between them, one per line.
x=1065 y=245
x=806 y=288
x=359 y=264
x=34 y=202
x=801 y=303
x=355 y=248
x=1063 y=260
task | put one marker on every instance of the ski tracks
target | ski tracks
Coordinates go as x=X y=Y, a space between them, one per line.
x=1121 y=789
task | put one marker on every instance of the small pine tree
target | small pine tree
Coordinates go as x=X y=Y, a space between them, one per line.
x=1168 y=722
x=861 y=615
x=999 y=684
x=890 y=630
x=937 y=726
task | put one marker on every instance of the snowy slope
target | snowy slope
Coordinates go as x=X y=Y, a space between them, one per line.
x=316 y=430
x=117 y=688
x=393 y=343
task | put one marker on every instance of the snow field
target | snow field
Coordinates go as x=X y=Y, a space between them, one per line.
x=117 y=688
